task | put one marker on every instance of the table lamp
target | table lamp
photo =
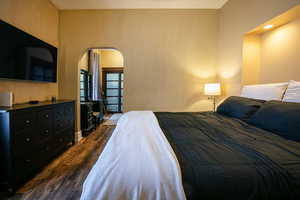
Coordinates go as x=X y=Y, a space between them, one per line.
x=212 y=90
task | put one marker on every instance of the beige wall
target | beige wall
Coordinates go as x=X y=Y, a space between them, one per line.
x=280 y=50
x=39 y=18
x=238 y=17
x=251 y=67
x=111 y=58
x=168 y=54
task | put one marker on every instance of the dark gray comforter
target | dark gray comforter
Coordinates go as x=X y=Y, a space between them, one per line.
x=225 y=158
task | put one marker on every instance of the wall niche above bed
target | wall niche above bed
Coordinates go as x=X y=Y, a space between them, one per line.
x=271 y=50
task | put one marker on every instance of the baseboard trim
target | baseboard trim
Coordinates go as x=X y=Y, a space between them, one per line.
x=78 y=136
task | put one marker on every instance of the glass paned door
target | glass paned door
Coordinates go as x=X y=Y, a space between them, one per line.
x=84 y=85
x=113 y=84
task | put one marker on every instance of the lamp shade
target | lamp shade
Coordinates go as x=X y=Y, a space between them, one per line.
x=212 y=89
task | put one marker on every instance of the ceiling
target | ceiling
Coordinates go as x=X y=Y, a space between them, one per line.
x=136 y=4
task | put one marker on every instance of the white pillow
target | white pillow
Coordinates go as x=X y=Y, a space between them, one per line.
x=292 y=93
x=265 y=91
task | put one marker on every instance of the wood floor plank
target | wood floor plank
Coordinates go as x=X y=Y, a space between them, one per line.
x=62 y=179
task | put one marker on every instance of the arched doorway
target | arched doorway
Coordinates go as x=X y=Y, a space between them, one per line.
x=101 y=82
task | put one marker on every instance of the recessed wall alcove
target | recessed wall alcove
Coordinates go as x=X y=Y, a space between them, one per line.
x=273 y=54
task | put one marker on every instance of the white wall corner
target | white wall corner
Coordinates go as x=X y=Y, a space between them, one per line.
x=78 y=136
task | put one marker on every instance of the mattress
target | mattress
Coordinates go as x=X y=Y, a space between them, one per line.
x=225 y=158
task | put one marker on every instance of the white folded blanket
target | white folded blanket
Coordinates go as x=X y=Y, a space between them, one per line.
x=137 y=163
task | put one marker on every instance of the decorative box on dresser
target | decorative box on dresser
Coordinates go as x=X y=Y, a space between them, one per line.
x=30 y=137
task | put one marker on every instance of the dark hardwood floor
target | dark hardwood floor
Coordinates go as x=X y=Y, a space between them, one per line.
x=63 y=178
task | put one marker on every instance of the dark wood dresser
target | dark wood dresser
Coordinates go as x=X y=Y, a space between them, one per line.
x=87 y=119
x=30 y=137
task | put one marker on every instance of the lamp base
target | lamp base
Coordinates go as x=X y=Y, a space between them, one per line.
x=214 y=102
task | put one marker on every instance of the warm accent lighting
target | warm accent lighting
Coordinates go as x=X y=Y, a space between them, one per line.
x=212 y=89
x=268 y=26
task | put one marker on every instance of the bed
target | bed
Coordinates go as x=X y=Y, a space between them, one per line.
x=249 y=149
x=217 y=162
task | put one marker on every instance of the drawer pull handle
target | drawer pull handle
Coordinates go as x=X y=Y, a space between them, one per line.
x=28 y=161
x=47 y=116
x=27 y=139
x=27 y=121
x=46 y=131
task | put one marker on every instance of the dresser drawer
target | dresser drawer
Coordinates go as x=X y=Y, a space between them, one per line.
x=61 y=143
x=45 y=126
x=59 y=126
x=24 y=142
x=25 y=167
x=30 y=162
x=59 y=119
x=26 y=164
x=45 y=154
x=69 y=114
x=69 y=123
x=69 y=108
x=63 y=138
x=64 y=118
x=44 y=135
x=45 y=118
x=58 y=113
x=24 y=121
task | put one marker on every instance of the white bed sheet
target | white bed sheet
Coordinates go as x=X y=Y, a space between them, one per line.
x=137 y=163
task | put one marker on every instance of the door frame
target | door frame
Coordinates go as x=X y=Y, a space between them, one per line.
x=112 y=70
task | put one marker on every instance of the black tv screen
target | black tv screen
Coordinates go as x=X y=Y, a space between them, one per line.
x=25 y=57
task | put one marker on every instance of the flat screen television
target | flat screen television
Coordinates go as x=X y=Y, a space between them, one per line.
x=25 y=57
